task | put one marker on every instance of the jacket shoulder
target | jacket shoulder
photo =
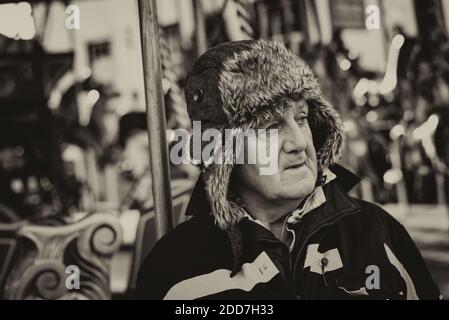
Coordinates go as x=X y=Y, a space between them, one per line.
x=198 y=233
x=375 y=223
x=179 y=255
x=374 y=213
x=402 y=252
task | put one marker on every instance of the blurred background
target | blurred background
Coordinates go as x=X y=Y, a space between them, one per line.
x=74 y=141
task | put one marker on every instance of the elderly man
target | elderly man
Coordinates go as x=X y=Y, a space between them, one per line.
x=294 y=234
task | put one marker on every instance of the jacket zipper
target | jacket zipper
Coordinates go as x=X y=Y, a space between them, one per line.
x=292 y=267
x=310 y=235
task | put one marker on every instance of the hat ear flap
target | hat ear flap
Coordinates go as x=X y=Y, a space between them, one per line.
x=226 y=212
x=327 y=132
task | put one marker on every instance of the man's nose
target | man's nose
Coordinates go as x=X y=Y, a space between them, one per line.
x=294 y=138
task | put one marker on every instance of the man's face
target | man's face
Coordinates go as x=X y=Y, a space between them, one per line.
x=296 y=172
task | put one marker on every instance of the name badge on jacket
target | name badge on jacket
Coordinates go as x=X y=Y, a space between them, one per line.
x=322 y=262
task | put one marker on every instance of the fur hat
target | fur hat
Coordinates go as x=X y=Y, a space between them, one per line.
x=238 y=85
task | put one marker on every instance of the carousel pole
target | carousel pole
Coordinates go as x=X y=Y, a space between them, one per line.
x=154 y=96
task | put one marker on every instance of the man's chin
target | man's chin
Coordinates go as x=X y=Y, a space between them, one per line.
x=296 y=191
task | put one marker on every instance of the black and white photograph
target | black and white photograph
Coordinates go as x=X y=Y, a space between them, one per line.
x=242 y=151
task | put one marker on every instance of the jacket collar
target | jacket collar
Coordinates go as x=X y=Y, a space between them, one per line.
x=345 y=178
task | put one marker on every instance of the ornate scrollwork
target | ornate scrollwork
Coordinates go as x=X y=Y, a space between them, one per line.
x=87 y=244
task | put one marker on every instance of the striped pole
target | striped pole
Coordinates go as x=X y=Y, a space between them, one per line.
x=178 y=112
x=157 y=132
x=237 y=20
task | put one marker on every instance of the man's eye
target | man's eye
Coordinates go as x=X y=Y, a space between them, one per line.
x=301 y=119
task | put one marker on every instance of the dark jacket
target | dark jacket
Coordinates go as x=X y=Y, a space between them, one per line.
x=344 y=249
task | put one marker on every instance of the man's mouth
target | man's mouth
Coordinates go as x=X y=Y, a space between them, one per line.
x=295 y=166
